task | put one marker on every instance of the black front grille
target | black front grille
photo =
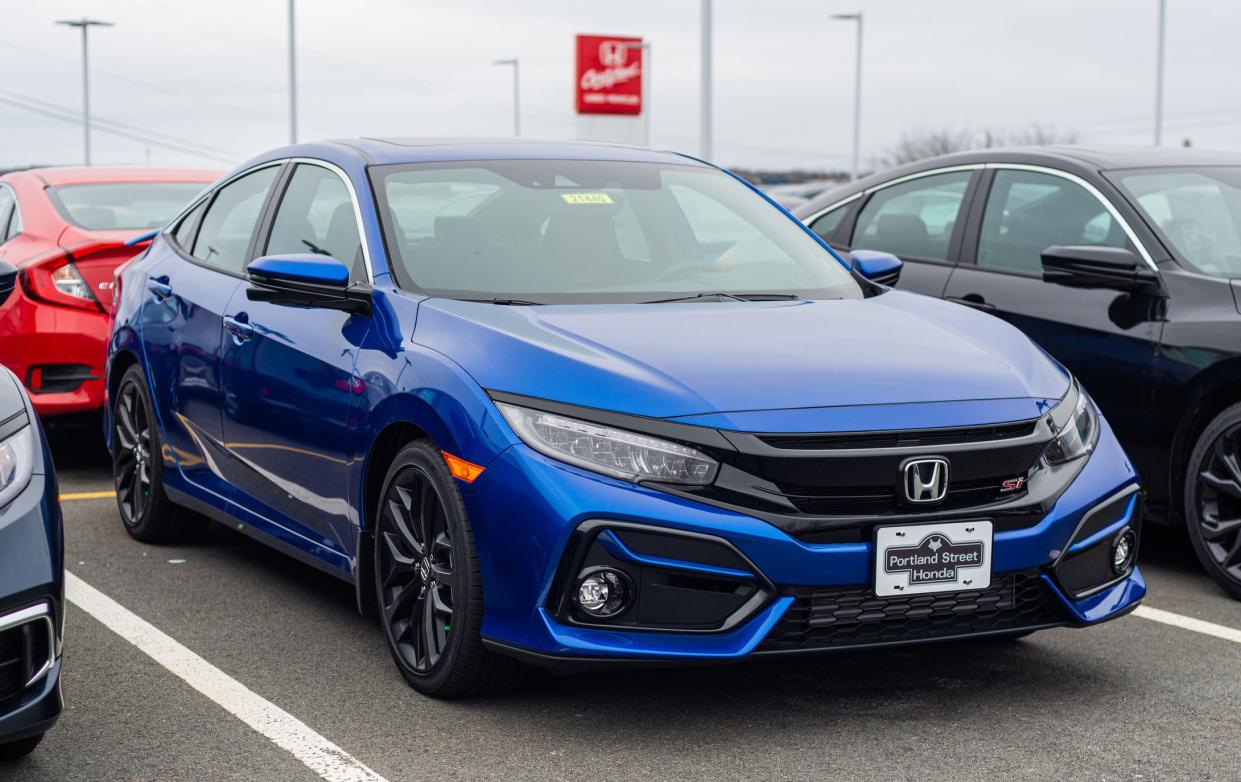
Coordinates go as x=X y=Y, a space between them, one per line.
x=899 y=439
x=845 y=617
x=883 y=500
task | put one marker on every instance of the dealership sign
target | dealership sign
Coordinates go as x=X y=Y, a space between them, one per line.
x=609 y=75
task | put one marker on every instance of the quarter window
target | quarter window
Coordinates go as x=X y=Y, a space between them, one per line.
x=229 y=222
x=914 y=219
x=1028 y=211
x=316 y=215
x=827 y=224
x=184 y=235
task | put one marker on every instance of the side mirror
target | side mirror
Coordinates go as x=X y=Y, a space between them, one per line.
x=1088 y=266
x=880 y=267
x=8 y=279
x=306 y=280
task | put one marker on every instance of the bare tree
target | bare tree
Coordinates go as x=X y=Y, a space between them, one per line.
x=918 y=144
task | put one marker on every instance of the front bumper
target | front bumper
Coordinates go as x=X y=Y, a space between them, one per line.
x=526 y=509
x=56 y=352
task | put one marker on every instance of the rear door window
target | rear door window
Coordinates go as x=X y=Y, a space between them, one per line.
x=913 y=220
x=228 y=225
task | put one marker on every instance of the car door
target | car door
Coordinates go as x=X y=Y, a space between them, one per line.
x=1107 y=338
x=182 y=320
x=917 y=219
x=288 y=372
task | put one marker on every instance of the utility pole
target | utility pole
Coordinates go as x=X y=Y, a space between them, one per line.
x=515 y=62
x=1163 y=10
x=292 y=75
x=706 y=152
x=857 y=92
x=645 y=48
x=84 y=25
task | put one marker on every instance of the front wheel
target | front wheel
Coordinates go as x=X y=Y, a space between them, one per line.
x=138 y=468
x=427 y=581
x=1213 y=500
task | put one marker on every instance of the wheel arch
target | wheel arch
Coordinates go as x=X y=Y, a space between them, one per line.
x=1206 y=396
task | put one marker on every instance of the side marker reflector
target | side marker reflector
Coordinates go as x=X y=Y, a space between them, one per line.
x=461 y=469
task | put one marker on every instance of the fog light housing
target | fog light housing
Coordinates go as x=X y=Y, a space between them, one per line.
x=1124 y=549
x=602 y=592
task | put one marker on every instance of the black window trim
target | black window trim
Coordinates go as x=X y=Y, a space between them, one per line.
x=209 y=197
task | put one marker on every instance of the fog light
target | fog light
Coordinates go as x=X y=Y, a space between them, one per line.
x=1124 y=547
x=602 y=592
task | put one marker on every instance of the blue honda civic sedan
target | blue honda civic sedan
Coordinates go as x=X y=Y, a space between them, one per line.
x=584 y=405
x=32 y=568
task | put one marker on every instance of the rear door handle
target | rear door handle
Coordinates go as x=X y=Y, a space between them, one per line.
x=239 y=326
x=160 y=287
x=974 y=300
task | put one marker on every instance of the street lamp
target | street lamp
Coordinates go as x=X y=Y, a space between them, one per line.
x=292 y=78
x=857 y=89
x=645 y=46
x=515 y=62
x=704 y=102
x=1163 y=8
x=84 y=25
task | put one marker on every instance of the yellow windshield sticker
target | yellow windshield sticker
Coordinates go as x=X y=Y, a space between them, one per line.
x=586 y=198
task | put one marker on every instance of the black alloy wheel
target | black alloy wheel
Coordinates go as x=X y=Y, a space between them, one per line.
x=428 y=585
x=417 y=570
x=1213 y=500
x=131 y=453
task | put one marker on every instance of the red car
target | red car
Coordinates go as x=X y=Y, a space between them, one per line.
x=65 y=230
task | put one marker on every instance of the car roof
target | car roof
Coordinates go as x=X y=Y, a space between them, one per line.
x=81 y=175
x=382 y=151
x=1101 y=157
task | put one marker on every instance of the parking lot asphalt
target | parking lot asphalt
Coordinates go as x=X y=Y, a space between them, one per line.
x=1132 y=699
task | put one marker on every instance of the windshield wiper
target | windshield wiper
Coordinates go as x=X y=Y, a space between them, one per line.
x=508 y=302
x=728 y=297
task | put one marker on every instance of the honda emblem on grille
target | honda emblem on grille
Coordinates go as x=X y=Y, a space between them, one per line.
x=925 y=480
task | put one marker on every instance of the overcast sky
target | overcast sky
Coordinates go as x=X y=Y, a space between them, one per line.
x=214 y=74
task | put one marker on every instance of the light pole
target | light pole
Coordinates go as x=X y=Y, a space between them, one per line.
x=645 y=46
x=292 y=77
x=705 y=99
x=1163 y=8
x=84 y=25
x=857 y=90
x=515 y=62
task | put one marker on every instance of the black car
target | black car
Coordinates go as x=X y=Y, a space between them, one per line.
x=31 y=570
x=1124 y=264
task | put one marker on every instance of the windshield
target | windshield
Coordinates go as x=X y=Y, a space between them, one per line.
x=1197 y=210
x=573 y=231
x=123 y=205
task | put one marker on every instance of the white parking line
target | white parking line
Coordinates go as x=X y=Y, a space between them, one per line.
x=281 y=728
x=1189 y=623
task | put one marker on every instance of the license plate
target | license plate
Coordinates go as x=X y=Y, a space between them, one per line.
x=926 y=558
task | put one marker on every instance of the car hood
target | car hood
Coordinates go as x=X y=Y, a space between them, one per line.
x=706 y=358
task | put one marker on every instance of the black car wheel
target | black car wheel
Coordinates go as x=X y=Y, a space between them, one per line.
x=1213 y=499
x=137 y=468
x=427 y=581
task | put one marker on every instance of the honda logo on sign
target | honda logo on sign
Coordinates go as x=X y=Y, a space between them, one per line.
x=925 y=480
x=612 y=54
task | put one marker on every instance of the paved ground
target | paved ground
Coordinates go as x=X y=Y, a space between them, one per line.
x=1133 y=699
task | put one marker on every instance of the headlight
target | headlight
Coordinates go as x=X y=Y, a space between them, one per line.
x=16 y=463
x=615 y=452
x=1077 y=437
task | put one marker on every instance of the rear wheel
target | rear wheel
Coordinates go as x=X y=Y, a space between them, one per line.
x=20 y=748
x=138 y=469
x=427 y=581
x=1213 y=500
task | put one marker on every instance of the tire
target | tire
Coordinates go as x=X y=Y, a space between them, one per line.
x=15 y=750
x=1213 y=500
x=427 y=582
x=138 y=469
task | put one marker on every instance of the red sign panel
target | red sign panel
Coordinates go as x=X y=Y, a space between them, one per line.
x=609 y=75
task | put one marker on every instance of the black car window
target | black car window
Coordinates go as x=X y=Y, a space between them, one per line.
x=316 y=215
x=1028 y=211
x=826 y=224
x=7 y=204
x=229 y=222
x=184 y=234
x=914 y=219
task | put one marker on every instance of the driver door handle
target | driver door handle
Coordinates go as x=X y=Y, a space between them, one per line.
x=239 y=326
x=160 y=287
x=974 y=300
